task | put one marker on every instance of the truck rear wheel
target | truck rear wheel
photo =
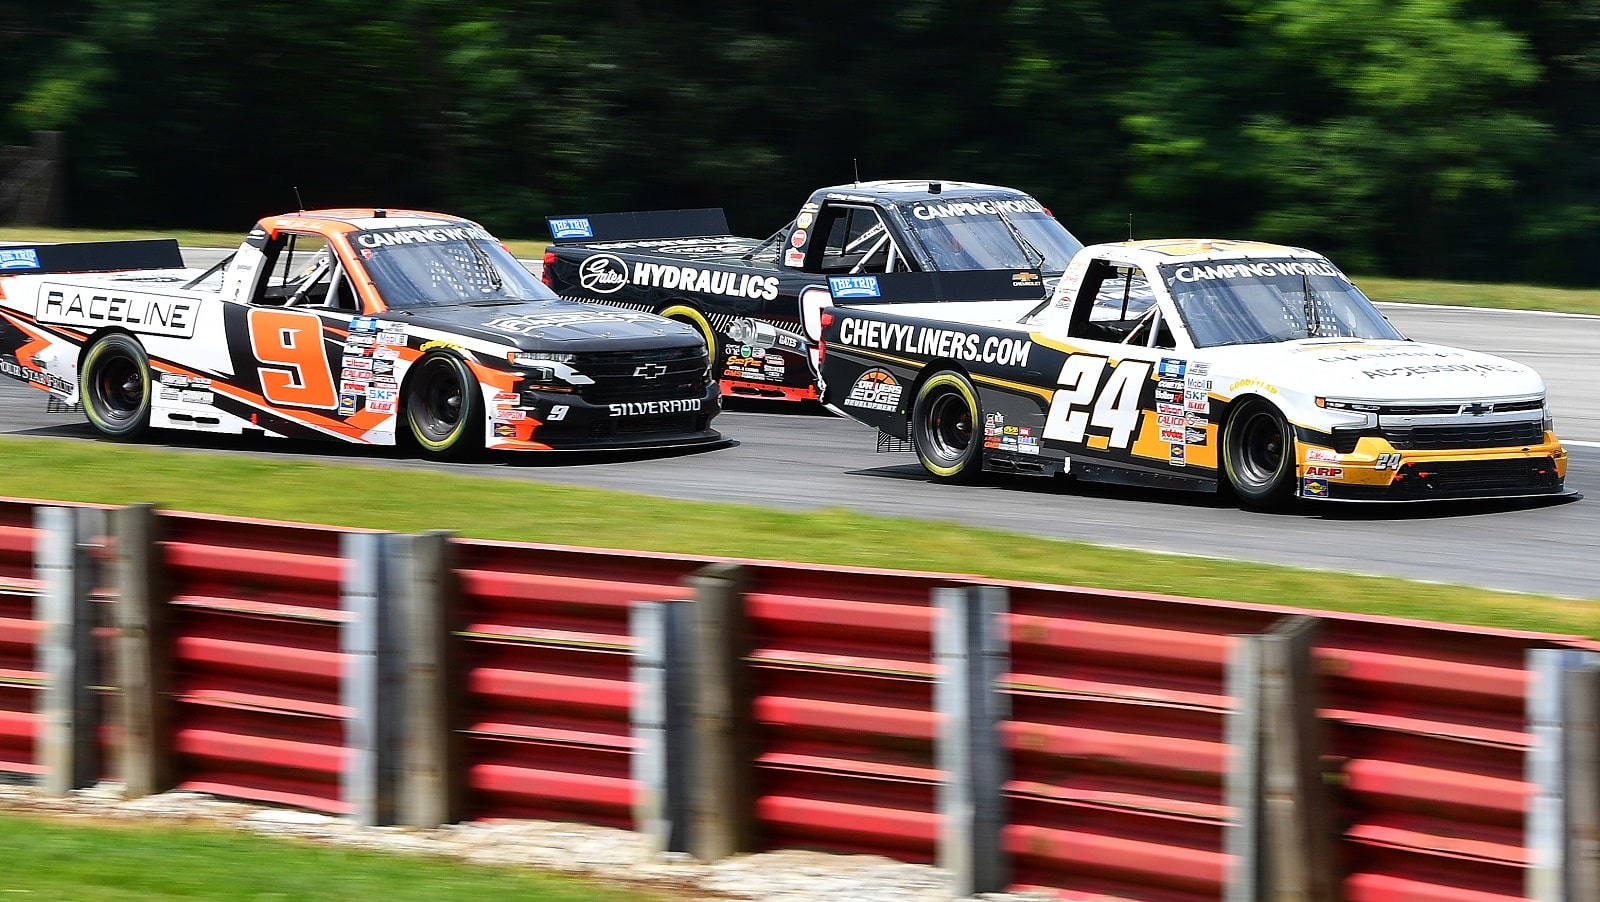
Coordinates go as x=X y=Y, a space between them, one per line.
x=944 y=427
x=115 y=386
x=443 y=407
x=1258 y=456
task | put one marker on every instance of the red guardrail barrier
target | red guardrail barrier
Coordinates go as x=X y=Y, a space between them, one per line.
x=548 y=689
x=257 y=664
x=1118 y=754
x=19 y=682
x=842 y=685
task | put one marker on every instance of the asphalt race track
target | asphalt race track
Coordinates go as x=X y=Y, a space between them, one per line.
x=809 y=460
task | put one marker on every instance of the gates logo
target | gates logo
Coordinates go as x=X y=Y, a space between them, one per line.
x=603 y=274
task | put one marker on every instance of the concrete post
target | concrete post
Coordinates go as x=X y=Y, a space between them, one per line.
x=1562 y=834
x=722 y=795
x=143 y=652
x=972 y=651
x=425 y=595
x=67 y=706
x=1281 y=834
x=370 y=687
x=662 y=717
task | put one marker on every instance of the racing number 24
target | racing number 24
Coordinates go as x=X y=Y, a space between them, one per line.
x=294 y=368
x=1115 y=406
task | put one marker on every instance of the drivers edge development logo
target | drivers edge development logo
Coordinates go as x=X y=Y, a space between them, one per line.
x=603 y=274
x=875 y=390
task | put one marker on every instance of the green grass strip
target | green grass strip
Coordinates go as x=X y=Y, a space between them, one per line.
x=406 y=500
x=140 y=862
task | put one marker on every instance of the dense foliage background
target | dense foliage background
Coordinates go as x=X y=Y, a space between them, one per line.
x=1449 y=138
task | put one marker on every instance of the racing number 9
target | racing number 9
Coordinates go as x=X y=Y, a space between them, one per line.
x=1116 y=410
x=295 y=370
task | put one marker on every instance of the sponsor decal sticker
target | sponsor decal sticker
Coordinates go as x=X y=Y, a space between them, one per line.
x=1168 y=409
x=571 y=228
x=1025 y=279
x=1171 y=369
x=171 y=394
x=929 y=341
x=980 y=208
x=854 y=286
x=805 y=219
x=432 y=235
x=197 y=397
x=1321 y=455
x=381 y=406
x=19 y=258
x=505 y=430
x=705 y=281
x=353 y=388
x=794 y=258
x=364 y=324
x=522 y=324
x=798 y=239
x=1313 y=488
x=875 y=389
x=603 y=273
x=392 y=338
x=1322 y=472
x=93 y=308
x=347 y=403
x=1175 y=456
x=506 y=416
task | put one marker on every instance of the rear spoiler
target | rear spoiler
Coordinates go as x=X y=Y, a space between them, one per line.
x=90 y=256
x=974 y=285
x=704 y=222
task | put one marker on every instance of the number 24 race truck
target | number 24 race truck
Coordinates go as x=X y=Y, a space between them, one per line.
x=757 y=302
x=1192 y=365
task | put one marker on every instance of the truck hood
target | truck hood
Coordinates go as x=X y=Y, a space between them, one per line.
x=563 y=324
x=1386 y=371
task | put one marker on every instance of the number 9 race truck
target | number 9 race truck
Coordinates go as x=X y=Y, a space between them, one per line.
x=363 y=326
x=756 y=302
x=1191 y=365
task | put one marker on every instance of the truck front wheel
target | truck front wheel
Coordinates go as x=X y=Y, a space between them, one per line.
x=443 y=407
x=115 y=386
x=1258 y=456
x=944 y=427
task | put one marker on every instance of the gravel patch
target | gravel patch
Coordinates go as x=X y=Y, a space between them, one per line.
x=580 y=850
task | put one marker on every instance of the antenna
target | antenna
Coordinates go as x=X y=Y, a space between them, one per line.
x=297 y=200
x=856 y=164
x=1130 y=226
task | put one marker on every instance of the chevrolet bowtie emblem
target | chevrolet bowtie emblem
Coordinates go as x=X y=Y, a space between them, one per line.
x=650 y=370
x=1477 y=408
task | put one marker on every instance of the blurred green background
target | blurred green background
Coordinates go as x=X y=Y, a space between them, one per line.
x=1438 y=138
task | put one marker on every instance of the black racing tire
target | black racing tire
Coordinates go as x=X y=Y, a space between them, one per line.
x=444 y=407
x=946 y=427
x=1258 y=456
x=114 y=385
x=692 y=317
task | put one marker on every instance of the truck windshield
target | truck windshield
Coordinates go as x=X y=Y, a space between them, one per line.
x=969 y=233
x=442 y=266
x=1259 y=301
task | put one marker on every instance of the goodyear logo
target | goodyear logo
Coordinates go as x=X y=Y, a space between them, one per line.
x=19 y=258
x=854 y=286
x=571 y=228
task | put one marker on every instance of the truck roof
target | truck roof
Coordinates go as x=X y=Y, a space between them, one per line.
x=913 y=190
x=1171 y=250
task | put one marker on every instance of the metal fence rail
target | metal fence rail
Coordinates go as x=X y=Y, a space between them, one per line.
x=1090 y=743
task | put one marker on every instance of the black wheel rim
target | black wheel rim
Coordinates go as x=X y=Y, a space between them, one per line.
x=119 y=389
x=950 y=426
x=1260 y=449
x=437 y=404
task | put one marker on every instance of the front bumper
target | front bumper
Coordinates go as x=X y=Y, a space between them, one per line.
x=552 y=421
x=1377 y=471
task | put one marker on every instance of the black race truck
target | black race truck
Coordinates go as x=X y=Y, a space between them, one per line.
x=758 y=302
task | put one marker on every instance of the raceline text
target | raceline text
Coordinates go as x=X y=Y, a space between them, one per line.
x=148 y=314
x=903 y=338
